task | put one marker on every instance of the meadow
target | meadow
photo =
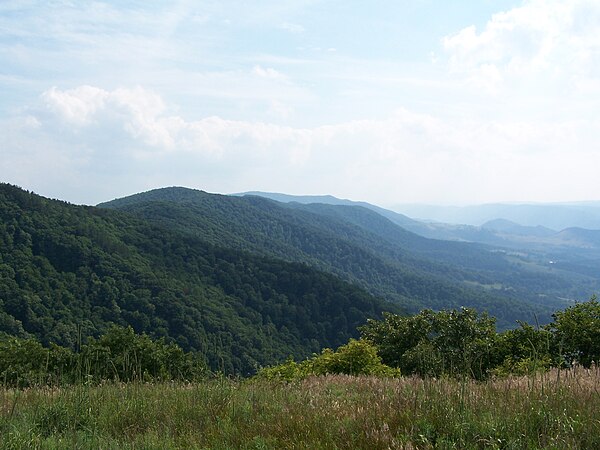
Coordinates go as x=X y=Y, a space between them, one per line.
x=557 y=409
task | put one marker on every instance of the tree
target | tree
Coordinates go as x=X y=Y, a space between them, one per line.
x=523 y=350
x=577 y=333
x=454 y=342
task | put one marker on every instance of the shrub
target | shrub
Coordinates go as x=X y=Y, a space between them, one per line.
x=454 y=342
x=357 y=357
x=120 y=355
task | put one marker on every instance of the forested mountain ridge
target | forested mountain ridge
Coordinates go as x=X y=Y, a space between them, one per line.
x=68 y=271
x=498 y=231
x=359 y=245
x=547 y=264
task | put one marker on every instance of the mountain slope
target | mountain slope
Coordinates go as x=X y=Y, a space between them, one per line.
x=509 y=227
x=546 y=264
x=69 y=270
x=362 y=247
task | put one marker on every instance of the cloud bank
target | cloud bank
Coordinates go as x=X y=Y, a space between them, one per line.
x=125 y=140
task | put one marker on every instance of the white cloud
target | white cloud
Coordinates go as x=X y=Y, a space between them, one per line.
x=292 y=27
x=116 y=142
x=268 y=72
x=540 y=43
x=76 y=105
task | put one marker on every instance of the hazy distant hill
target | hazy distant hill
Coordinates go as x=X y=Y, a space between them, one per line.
x=366 y=248
x=553 y=216
x=432 y=230
x=395 y=217
x=579 y=237
x=512 y=228
x=429 y=230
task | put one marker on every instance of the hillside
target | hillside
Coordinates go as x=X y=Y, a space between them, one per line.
x=509 y=227
x=571 y=255
x=362 y=247
x=68 y=271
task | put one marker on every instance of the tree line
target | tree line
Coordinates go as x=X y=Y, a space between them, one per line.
x=458 y=343
x=429 y=344
x=118 y=355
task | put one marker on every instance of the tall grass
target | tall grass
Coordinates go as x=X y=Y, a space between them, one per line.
x=555 y=410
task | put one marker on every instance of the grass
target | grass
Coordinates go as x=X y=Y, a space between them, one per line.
x=555 y=410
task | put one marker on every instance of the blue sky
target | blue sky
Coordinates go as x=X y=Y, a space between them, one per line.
x=452 y=102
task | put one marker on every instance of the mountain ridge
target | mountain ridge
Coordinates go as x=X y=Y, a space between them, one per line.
x=294 y=230
x=68 y=271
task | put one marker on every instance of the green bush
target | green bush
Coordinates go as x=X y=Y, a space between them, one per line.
x=576 y=332
x=522 y=366
x=454 y=342
x=120 y=355
x=357 y=357
x=522 y=351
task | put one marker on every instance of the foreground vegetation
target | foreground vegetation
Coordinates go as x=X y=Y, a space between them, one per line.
x=457 y=343
x=557 y=409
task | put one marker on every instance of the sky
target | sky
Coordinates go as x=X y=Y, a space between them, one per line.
x=401 y=101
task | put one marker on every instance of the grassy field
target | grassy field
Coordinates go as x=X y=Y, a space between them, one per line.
x=556 y=410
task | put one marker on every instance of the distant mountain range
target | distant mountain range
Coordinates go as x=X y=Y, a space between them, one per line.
x=372 y=247
x=556 y=216
x=495 y=231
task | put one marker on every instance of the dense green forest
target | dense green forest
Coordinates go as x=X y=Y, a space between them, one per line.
x=68 y=272
x=367 y=249
x=243 y=282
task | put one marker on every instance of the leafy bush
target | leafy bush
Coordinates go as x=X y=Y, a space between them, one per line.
x=463 y=342
x=455 y=342
x=522 y=351
x=357 y=357
x=522 y=366
x=120 y=355
x=576 y=333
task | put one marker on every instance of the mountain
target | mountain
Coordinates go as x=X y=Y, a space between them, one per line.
x=511 y=228
x=68 y=271
x=579 y=237
x=556 y=216
x=428 y=229
x=305 y=199
x=570 y=251
x=399 y=219
x=367 y=249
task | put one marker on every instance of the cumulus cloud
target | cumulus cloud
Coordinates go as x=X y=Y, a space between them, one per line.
x=543 y=40
x=268 y=72
x=141 y=117
x=77 y=105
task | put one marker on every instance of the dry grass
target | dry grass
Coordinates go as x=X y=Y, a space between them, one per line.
x=554 y=410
